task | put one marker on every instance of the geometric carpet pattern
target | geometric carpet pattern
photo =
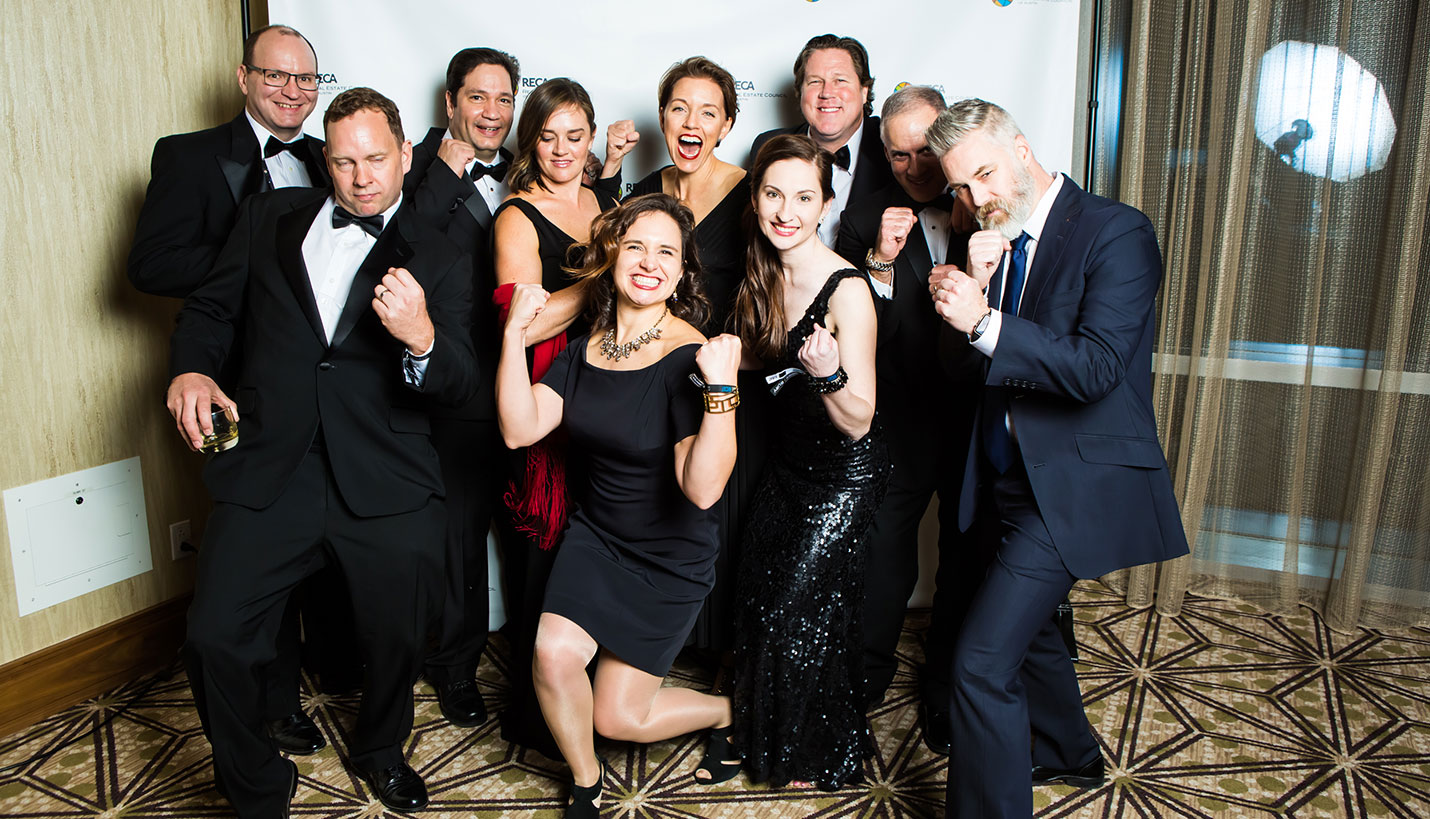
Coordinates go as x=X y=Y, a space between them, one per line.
x=1223 y=711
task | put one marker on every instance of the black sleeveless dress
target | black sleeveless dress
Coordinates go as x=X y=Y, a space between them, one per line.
x=721 y=243
x=799 y=673
x=635 y=564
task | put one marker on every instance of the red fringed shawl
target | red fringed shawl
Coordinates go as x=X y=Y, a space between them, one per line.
x=538 y=499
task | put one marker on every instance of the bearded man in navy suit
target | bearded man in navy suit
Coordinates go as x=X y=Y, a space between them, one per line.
x=1057 y=309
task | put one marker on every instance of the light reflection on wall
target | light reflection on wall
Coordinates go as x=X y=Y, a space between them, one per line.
x=1321 y=112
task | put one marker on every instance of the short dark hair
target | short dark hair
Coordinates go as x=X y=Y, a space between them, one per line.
x=701 y=68
x=598 y=256
x=468 y=58
x=857 y=55
x=251 y=42
x=548 y=98
x=354 y=100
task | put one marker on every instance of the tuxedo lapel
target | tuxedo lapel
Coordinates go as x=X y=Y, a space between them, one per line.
x=392 y=250
x=317 y=164
x=1061 y=224
x=915 y=258
x=241 y=167
x=292 y=229
x=476 y=205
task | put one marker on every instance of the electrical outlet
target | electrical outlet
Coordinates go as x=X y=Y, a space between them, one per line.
x=181 y=540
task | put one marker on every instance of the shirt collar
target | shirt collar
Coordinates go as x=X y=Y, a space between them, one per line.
x=1034 y=226
x=325 y=213
x=262 y=134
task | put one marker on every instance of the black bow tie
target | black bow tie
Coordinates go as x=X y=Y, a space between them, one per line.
x=841 y=157
x=943 y=201
x=298 y=148
x=497 y=171
x=371 y=224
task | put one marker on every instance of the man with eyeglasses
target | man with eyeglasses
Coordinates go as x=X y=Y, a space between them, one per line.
x=198 y=182
x=199 y=179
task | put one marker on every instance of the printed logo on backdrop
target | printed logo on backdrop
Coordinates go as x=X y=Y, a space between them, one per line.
x=935 y=86
x=328 y=87
x=746 y=90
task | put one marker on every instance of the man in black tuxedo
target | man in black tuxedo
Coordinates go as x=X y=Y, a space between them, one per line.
x=898 y=234
x=198 y=181
x=1057 y=308
x=836 y=97
x=354 y=317
x=458 y=179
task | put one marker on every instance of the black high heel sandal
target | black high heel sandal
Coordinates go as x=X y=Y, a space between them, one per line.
x=582 y=804
x=721 y=761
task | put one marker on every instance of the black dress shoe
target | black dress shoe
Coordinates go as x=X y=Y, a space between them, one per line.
x=1090 y=775
x=937 y=729
x=399 y=787
x=461 y=703
x=297 y=734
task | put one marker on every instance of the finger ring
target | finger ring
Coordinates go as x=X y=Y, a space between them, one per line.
x=384 y=292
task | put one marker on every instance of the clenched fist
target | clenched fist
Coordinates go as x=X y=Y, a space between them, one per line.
x=401 y=305
x=719 y=359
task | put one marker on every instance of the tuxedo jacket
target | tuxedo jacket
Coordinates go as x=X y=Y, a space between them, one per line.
x=914 y=387
x=294 y=389
x=1075 y=364
x=451 y=204
x=871 y=172
x=196 y=183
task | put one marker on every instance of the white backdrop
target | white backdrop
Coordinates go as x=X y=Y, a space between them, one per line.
x=1021 y=54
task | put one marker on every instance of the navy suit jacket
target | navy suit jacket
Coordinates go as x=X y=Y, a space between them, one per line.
x=451 y=204
x=196 y=183
x=294 y=385
x=1076 y=366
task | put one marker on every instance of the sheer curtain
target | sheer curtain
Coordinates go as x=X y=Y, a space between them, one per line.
x=1293 y=370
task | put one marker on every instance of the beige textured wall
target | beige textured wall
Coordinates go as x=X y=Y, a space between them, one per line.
x=89 y=87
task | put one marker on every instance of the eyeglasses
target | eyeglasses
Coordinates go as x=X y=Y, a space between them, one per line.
x=278 y=79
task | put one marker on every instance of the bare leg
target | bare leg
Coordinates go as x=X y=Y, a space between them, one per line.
x=632 y=705
x=563 y=649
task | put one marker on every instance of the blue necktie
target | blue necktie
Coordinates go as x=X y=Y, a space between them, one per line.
x=996 y=442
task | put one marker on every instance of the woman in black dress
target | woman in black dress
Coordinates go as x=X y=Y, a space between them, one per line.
x=698 y=107
x=635 y=565
x=810 y=319
x=534 y=230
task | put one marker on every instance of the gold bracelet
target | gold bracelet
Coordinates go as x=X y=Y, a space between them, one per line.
x=718 y=402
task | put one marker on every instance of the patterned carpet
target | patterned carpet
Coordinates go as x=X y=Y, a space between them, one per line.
x=1221 y=712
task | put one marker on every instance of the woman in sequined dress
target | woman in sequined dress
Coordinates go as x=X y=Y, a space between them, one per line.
x=810 y=320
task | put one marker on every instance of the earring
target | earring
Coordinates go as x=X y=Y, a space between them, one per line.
x=674 y=296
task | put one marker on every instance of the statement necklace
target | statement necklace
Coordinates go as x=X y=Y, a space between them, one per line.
x=615 y=352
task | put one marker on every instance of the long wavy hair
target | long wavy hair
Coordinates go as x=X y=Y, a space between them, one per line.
x=548 y=98
x=759 y=314
x=598 y=257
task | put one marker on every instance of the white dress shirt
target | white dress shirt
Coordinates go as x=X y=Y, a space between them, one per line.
x=286 y=170
x=842 y=180
x=988 y=342
x=332 y=257
x=933 y=222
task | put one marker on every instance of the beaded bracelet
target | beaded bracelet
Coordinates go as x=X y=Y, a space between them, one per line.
x=829 y=383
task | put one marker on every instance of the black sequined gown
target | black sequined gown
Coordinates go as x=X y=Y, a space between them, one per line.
x=799 y=672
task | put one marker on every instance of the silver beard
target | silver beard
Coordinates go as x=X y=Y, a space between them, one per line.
x=1016 y=210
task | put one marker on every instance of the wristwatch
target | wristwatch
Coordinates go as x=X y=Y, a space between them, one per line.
x=981 y=327
x=875 y=265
